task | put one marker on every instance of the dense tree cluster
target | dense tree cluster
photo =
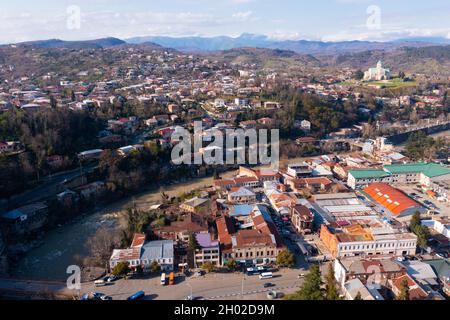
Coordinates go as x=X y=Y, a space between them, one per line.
x=312 y=288
x=43 y=134
x=325 y=115
x=422 y=147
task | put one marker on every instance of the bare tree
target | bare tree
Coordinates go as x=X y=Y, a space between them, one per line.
x=100 y=246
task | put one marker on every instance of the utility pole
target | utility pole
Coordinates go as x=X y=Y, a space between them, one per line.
x=242 y=287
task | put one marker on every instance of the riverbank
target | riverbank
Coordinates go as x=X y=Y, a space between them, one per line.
x=65 y=245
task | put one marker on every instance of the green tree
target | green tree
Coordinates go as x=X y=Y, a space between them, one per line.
x=121 y=269
x=285 y=259
x=139 y=270
x=415 y=221
x=193 y=244
x=311 y=288
x=155 y=267
x=330 y=282
x=419 y=230
x=192 y=247
x=422 y=234
x=231 y=265
x=358 y=75
x=208 y=266
x=404 y=291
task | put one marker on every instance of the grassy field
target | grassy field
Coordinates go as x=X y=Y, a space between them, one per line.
x=390 y=84
x=393 y=84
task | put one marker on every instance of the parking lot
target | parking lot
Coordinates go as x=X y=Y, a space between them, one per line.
x=213 y=286
x=442 y=208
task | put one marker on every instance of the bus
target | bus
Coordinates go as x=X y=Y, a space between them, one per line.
x=171 y=278
x=163 y=279
x=266 y=275
x=137 y=296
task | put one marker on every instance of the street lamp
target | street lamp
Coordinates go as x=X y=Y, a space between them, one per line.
x=242 y=286
x=190 y=287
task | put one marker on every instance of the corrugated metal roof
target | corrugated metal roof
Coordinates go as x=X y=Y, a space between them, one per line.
x=392 y=199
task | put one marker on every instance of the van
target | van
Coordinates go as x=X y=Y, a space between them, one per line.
x=99 y=283
x=266 y=275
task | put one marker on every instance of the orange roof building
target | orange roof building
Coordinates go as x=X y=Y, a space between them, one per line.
x=416 y=292
x=394 y=200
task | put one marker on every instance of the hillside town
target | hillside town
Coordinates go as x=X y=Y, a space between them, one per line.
x=361 y=196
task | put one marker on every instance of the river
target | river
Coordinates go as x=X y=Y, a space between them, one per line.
x=60 y=246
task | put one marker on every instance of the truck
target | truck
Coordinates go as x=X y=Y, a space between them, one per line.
x=163 y=279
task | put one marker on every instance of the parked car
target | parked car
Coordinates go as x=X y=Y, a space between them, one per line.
x=111 y=278
x=85 y=297
x=106 y=298
x=268 y=285
x=99 y=283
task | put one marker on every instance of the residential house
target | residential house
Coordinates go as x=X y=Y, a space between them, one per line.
x=373 y=271
x=181 y=230
x=256 y=242
x=132 y=256
x=195 y=205
x=302 y=219
x=319 y=184
x=353 y=287
x=161 y=251
x=26 y=219
x=208 y=251
x=416 y=292
x=241 y=195
x=299 y=170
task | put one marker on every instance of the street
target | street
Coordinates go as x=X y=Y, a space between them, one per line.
x=212 y=286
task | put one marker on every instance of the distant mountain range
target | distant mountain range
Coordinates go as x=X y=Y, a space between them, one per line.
x=199 y=44
x=204 y=44
x=84 y=44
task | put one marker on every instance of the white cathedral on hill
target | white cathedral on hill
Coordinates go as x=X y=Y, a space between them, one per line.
x=377 y=74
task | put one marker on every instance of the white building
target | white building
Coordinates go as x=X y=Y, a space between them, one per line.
x=377 y=74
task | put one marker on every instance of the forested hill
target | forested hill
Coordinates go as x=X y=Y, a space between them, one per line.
x=427 y=60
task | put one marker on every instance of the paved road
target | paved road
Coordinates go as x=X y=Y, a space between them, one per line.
x=211 y=287
x=50 y=185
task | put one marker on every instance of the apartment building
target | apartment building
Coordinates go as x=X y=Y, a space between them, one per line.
x=367 y=241
x=255 y=242
x=209 y=250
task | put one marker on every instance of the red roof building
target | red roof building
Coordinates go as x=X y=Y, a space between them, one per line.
x=394 y=200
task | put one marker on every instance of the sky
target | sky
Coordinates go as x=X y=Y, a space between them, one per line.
x=326 y=20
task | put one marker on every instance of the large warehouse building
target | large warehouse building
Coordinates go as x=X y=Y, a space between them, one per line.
x=393 y=200
x=412 y=173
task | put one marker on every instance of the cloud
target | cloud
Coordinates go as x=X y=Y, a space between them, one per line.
x=242 y=16
x=241 y=1
x=387 y=34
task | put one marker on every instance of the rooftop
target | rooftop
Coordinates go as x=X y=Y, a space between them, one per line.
x=368 y=173
x=392 y=199
x=431 y=170
x=155 y=250
x=205 y=241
